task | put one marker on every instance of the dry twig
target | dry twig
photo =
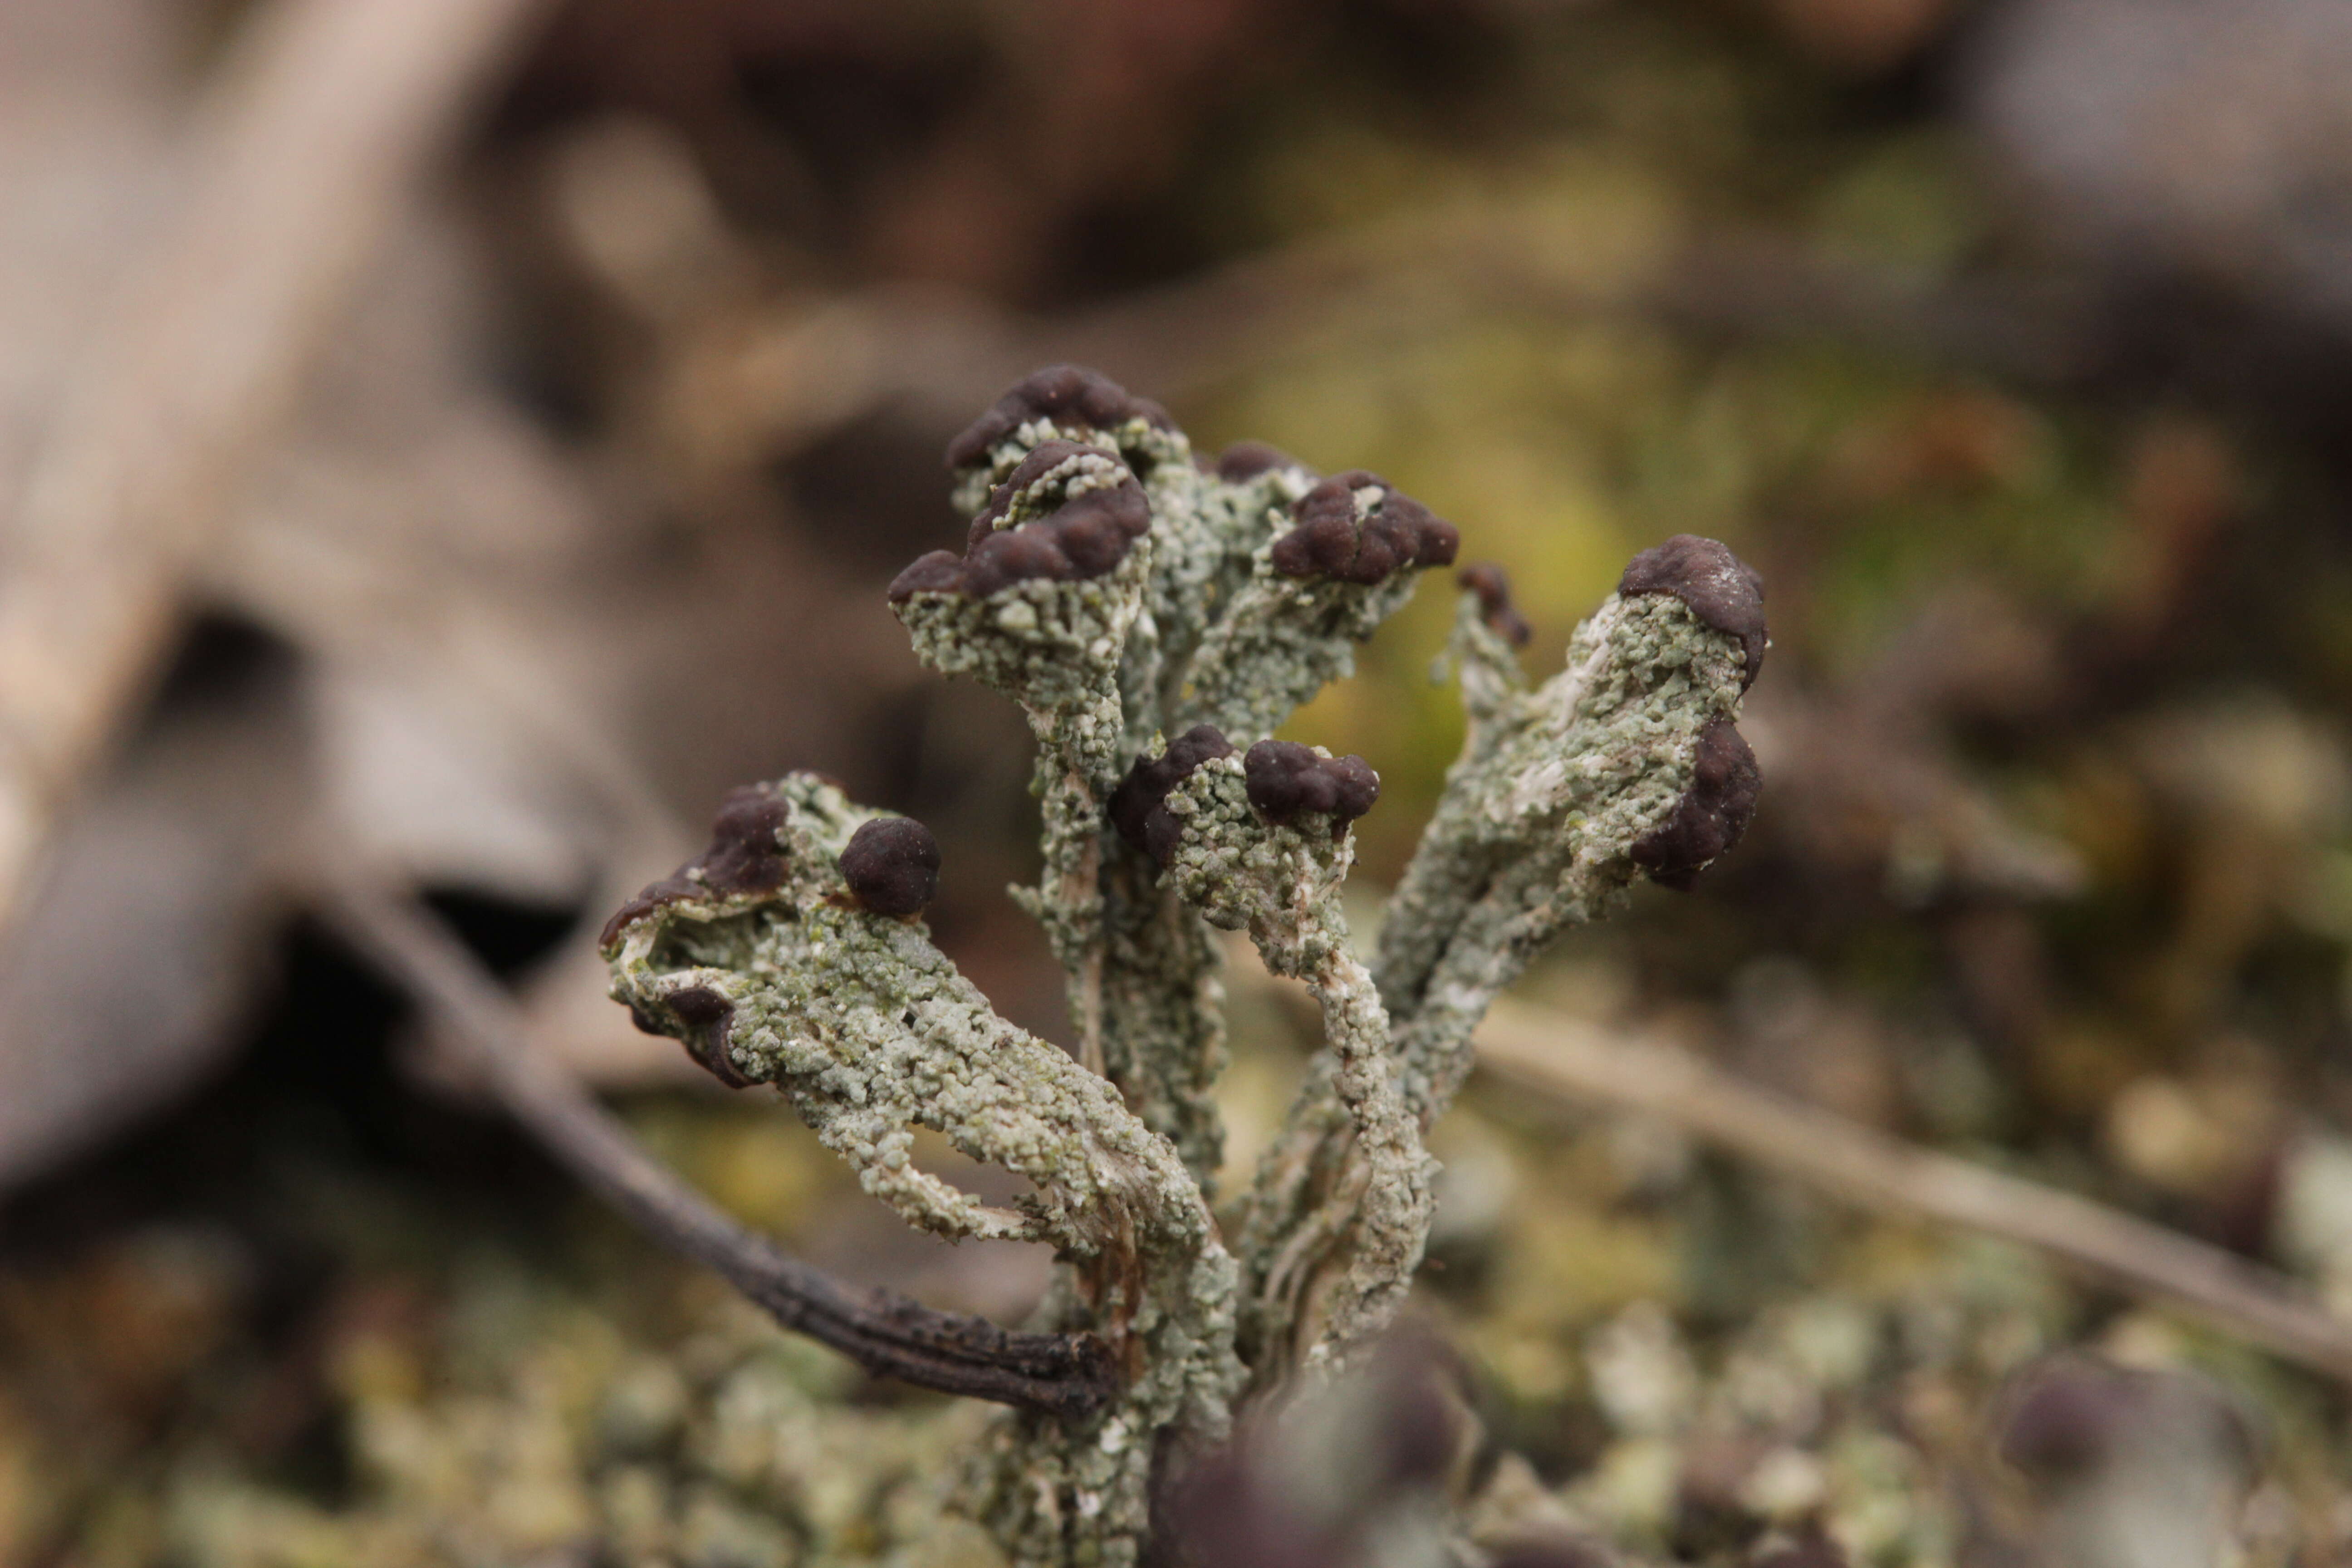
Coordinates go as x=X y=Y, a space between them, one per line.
x=886 y=1334
x=788 y=380
x=1563 y=1058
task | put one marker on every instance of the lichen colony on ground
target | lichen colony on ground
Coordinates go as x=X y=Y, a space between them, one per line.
x=1157 y=620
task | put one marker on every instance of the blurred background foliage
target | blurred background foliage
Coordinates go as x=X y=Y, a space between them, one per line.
x=2010 y=340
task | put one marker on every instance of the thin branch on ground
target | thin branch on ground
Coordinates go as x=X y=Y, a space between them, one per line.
x=1418 y=275
x=889 y=1334
x=1563 y=1058
x=1423 y=274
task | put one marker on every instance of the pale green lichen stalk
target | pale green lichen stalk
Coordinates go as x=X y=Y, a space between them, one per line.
x=871 y=1033
x=1538 y=824
x=1281 y=884
x=1215 y=532
x=1536 y=830
x=1055 y=647
x=1157 y=620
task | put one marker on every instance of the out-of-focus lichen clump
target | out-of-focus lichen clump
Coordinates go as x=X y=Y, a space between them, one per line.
x=726 y=1447
x=1637 y=1385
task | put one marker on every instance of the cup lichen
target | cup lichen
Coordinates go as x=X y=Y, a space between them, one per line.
x=1119 y=592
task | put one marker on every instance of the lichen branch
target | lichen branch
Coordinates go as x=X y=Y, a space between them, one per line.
x=769 y=960
x=1061 y=1376
x=1040 y=607
x=1261 y=845
x=1562 y=798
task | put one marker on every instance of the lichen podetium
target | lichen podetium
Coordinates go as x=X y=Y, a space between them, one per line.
x=1120 y=593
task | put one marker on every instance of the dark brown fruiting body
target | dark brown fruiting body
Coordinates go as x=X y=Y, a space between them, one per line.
x=1251 y=1504
x=892 y=866
x=1420 y=1432
x=1085 y=538
x=744 y=857
x=1043 y=459
x=1138 y=806
x=707 y=1017
x=1495 y=607
x=1712 y=815
x=2064 y=1416
x=1284 y=778
x=1070 y=395
x=1330 y=541
x=1227 y=1511
x=1723 y=591
x=1246 y=460
x=2071 y=1418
